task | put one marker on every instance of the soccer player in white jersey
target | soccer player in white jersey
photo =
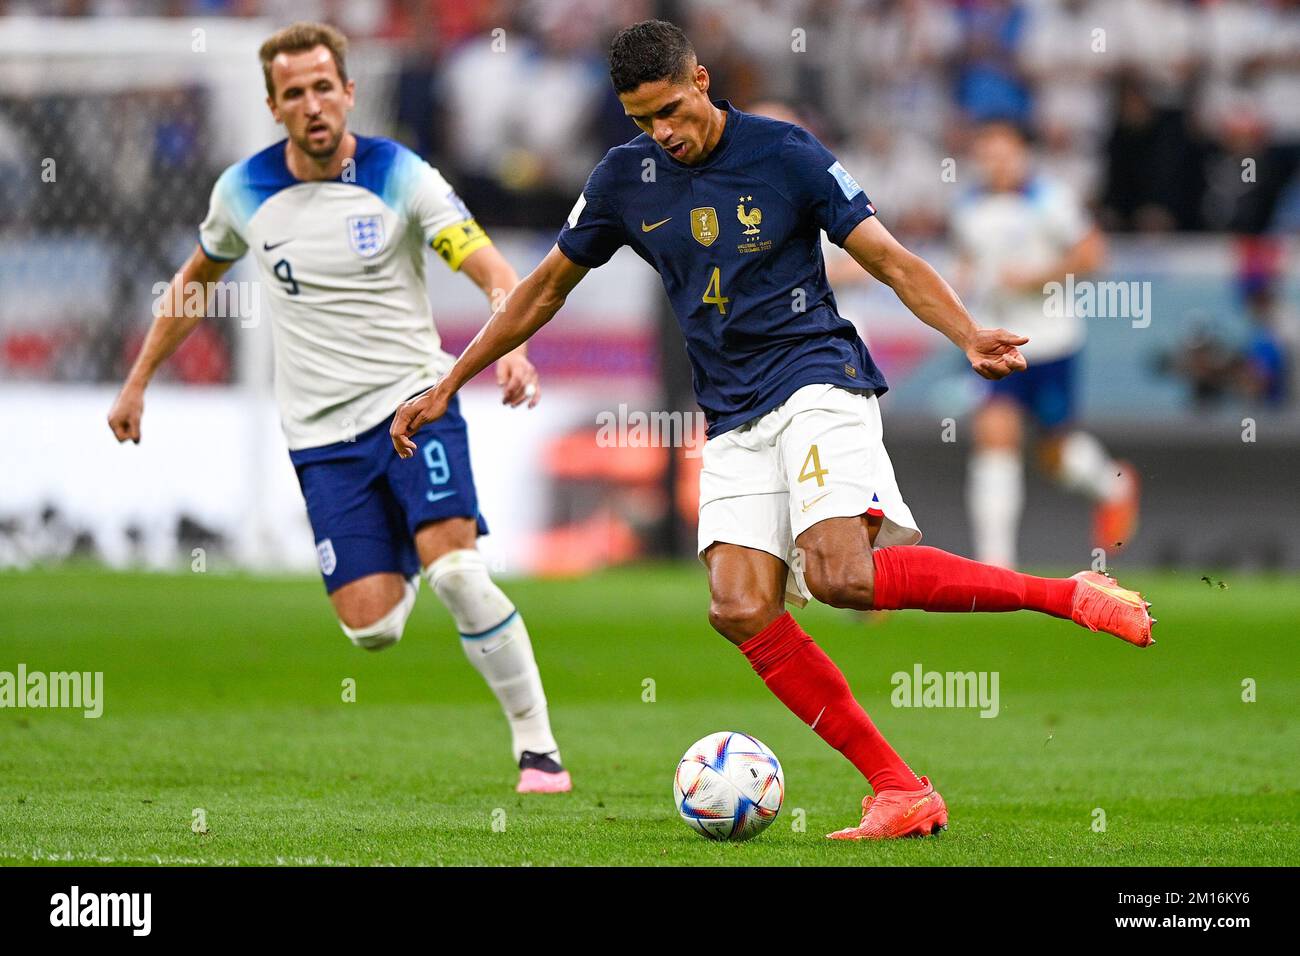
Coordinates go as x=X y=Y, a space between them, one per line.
x=338 y=225
x=1015 y=234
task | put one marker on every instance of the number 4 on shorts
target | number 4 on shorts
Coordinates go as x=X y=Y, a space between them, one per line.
x=817 y=470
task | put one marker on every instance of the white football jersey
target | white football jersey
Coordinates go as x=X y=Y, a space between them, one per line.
x=342 y=276
x=1022 y=231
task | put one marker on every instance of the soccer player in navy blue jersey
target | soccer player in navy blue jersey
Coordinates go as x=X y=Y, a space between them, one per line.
x=797 y=494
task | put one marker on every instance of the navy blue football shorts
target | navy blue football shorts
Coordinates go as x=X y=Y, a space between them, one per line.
x=365 y=503
x=1045 y=391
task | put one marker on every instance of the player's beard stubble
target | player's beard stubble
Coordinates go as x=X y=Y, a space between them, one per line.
x=314 y=148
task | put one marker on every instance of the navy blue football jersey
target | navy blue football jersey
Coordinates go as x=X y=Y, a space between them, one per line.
x=736 y=240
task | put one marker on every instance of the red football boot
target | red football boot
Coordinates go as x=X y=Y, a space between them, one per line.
x=1100 y=604
x=899 y=813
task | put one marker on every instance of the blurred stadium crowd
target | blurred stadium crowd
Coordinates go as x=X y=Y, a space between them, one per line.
x=1147 y=107
x=1153 y=110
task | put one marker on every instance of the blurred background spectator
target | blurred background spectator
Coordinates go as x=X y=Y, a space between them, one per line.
x=511 y=98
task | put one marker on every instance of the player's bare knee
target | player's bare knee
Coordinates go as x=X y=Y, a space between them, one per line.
x=997 y=426
x=840 y=583
x=740 y=617
x=377 y=634
x=374 y=633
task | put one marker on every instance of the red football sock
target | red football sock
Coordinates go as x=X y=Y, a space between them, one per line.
x=803 y=678
x=913 y=576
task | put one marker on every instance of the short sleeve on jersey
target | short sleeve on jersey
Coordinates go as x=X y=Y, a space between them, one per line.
x=823 y=186
x=445 y=221
x=219 y=234
x=594 y=230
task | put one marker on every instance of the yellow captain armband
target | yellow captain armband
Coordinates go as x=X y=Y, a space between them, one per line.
x=455 y=243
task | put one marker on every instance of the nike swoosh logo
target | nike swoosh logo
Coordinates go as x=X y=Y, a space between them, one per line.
x=1122 y=594
x=653 y=226
x=268 y=246
x=813 y=725
x=439 y=496
x=809 y=504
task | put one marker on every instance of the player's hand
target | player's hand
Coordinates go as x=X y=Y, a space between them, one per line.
x=994 y=353
x=412 y=415
x=124 y=416
x=518 y=381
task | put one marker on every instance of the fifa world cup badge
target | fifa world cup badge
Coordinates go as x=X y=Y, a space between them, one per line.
x=704 y=225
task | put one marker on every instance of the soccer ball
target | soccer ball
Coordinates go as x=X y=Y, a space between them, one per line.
x=728 y=786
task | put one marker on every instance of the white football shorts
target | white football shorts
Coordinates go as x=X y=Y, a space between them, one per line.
x=819 y=455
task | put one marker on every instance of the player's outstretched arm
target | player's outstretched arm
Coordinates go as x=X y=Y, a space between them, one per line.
x=492 y=273
x=171 y=325
x=532 y=303
x=993 y=353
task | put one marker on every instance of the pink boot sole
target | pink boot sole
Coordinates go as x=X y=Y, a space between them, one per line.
x=535 y=781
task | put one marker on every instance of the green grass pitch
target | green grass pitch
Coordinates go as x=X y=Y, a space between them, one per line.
x=225 y=693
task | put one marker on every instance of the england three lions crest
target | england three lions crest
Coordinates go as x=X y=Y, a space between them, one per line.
x=366 y=235
x=326 y=556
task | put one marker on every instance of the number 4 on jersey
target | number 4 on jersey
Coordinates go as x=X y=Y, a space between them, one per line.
x=713 y=293
x=817 y=470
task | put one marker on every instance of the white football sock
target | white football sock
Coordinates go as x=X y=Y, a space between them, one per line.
x=995 y=496
x=496 y=643
x=1086 y=468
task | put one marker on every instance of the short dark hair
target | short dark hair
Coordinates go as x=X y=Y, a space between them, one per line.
x=649 y=51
